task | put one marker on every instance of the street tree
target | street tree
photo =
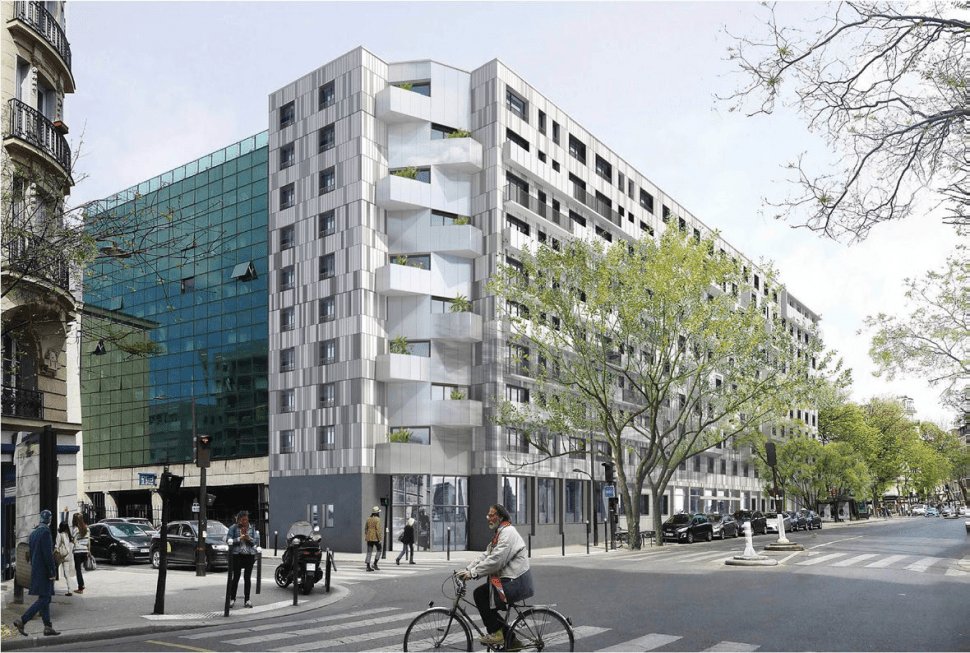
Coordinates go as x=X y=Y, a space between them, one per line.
x=885 y=84
x=651 y=352
x=797 y=470
x=844 y=472
x=885 y=444
x=933 y=340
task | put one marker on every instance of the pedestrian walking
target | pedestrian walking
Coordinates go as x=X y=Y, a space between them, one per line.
x=42 y=574
x=407 y=541
x=244 y=540
x=80 y=532
x=372 y=534
x=65 y=554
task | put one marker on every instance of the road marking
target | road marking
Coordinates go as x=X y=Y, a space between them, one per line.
x=363 y=623
x=923 y=564
x=821 y=559
x=956 y=572
x=646 y=643
x=847 y=539
x=239 y=630
x=733 y=646
x=191 y=648
x=885 y=562
x=698 y=556
x=855 y=559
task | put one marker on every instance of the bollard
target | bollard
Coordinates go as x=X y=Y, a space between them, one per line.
x=587 y=537
x=259 y=569
x=228 y=580
x=530 y=545
x=276 y=535
x=563 y=544
x=606 y=538
x=326 y=583
x=449 y=544
x=295 y=567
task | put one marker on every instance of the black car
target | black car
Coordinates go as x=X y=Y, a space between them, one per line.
x=798 y=521
x=812 y=519
x=183 y=541
x=120 y=543
x=724 y=526
x=146 y=525
x=759 y=525
x=687 y=528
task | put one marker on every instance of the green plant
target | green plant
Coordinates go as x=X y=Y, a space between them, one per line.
x=401 y=259
x=405 y=85
x=400 y=345
x=400 y=435
x=461 y=304
x=460 y=133
x=457 y=394
x=462 y=220
x=408 y=173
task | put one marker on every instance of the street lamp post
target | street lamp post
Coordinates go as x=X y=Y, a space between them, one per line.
x=592 y=501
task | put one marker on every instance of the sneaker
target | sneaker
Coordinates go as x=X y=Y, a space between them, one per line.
x=68 y=594
x=80 y=591
x=49 y=630
x=492 y=639
x=232 y=603
x=398 y=561
x=376 y=568
x=19 y=625
x=369 y=568
x=412 y=562
x=249 y=604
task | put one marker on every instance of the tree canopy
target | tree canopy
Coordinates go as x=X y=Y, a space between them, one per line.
x=885 y=84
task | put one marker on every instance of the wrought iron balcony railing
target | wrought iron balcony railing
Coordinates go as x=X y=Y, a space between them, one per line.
x=42 y=22
x=29 y=124
x=28 y=256
x=18 y=402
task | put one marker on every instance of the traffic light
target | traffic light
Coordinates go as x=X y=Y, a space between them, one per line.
x=609 y=472
x=169 y=484
x=203 y=449
x=770 y=454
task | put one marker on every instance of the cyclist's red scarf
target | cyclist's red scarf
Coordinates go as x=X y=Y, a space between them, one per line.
x=495 y=580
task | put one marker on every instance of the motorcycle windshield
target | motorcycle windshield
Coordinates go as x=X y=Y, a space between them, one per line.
x=301 y=527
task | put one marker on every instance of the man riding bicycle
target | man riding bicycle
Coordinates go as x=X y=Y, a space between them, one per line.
x=506 y=563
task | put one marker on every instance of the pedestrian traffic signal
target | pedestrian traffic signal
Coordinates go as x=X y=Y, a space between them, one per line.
x=203 y=447
x=770 y=454
x=609 y=472
x=169 y=484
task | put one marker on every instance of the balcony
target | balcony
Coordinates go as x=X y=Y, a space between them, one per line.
x=29 y=125
x=29 y=257
x=458 y=240
x=398 y=280
x=459 y=154
x=457 y=327
x=395 y=193
x=395 y=105
x=18 y=402
x=518 y=196
x=456 y=412
x=41 y=22
x=593 y=202
x=403 y=368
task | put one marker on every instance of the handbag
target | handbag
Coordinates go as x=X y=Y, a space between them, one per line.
x=400 y=538
x=90 y=564
x=60 y=555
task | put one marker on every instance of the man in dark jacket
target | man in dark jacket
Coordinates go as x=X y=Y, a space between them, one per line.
x=43 y=571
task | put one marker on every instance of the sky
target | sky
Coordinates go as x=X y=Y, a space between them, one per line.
x=163 y=83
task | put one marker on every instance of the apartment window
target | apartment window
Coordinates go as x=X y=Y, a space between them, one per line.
x=287 y=114
x=697 y=463
x=575 y=501
x=444 y=392
x=723 y=466
x=287 y=360
x=734 y=468
x=416 y=434
x=744 y=471
x=604 y=169
x=287 y=196
x=578 y=219
x=327 y=266
x=327 y=224
x=516 y=224
x=417 y=174
x=440 y=132
x=518 y=140
x=287 y=319
x=646 y=200
x=542 y=156
x=604 y=234
x=546 y=488
x=287 y=401
x=444 y=219
x=516 y=440
x=555 y=132
x=287 y=441
x=422 y=261
x=287 y=235
x=420 y=348
x=516 y=104
x=542 y=122
x=682 y=225
x=620 y=181
x=517 y=394
x=328 y=138
x=328 y=394
x=287 y=278
x=666 y=214
x=441 y=305
x=328 y=309
x=555 y=165
x=577 y=149
x=326 y=438
x=421 y=88
x=328 y=181
x=327 y=95
x=629 y=188
x=188 y=285
x=516 y=498
x=287 y=155
x=328 y=351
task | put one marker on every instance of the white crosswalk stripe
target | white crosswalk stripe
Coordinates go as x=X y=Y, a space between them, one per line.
x=885 y=562
x=821 y=559
x=235 y=631
x=645 y=643
x=855 y=559
x=733 y=646
x=320 y=630
x=923 y=564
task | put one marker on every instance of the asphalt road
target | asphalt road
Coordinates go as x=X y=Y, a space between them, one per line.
x=901 y=585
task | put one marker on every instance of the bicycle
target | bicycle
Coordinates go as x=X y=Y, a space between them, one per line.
x=535 y=627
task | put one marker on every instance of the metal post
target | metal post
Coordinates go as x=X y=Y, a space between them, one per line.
x=448 y=545
x=259 y=570
x=163 y=555
x=276 y=537
x=203 y=503
x=563 y=534
x=530 y=545
x=295 y=564
x=228 y=582
x=326 y=583
x=587 y=537
x=606 y=537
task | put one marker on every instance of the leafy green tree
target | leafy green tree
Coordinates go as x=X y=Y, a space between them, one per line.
x=933 y=341
x=885 y=443
x=797 y=470
x=885 y=85
x=843 y=471
x=659 y=350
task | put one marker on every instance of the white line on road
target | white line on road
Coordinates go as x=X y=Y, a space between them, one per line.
x=923 y=564
x=304 y=632
x=733 y=646
x=853 y=560
x=239 y=630
x=885 y=562
x=821 y=559
x=645 y=643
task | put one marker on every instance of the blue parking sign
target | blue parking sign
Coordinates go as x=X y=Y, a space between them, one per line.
x=609 y=491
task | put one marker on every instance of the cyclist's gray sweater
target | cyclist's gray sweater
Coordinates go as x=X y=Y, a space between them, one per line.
x=506 y=558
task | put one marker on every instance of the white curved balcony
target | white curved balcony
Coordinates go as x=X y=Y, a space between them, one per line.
x=459 y=240
x=403 y=368
x=398 y=280
x=459 y=327
x=396 y=104
x=396 y=193
x=456 y=412
x=459 y=154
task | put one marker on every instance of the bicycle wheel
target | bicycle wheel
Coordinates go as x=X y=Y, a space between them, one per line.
x=436 y=629
x=541 y=629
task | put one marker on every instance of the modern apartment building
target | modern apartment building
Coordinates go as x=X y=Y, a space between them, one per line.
x=394 y=190
x=40 y=297
x=197 y=288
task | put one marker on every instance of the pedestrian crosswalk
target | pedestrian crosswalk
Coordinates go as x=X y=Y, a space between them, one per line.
x=383 y=628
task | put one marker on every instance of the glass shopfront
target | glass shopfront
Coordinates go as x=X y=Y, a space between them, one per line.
x=437 y=504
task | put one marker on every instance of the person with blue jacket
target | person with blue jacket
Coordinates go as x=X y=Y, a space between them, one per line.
x=43 y=571
x=244 y=541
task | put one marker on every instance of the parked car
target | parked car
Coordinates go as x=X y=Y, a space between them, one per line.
x=146 y=525
x=932 y=512
x=119 y=543
x=724 y=526
x=687 y=528
x=813 y=520
x=183 y=540
x=798 y=521
x=771 y=522
x=757 y=519
x=918 y=509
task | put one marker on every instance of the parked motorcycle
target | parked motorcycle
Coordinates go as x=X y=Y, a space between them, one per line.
x=303 y=543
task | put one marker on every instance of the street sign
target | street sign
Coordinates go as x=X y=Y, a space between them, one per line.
x=609 y=491
x=147 y=479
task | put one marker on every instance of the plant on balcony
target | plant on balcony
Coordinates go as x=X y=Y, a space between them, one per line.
x=400 y=435
x=405 y=85
x=408 y=173
x=464 y=219
x=461 y=304
x=401 y=259
x=400 y=345
x=460 y=133
x=457 y=394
